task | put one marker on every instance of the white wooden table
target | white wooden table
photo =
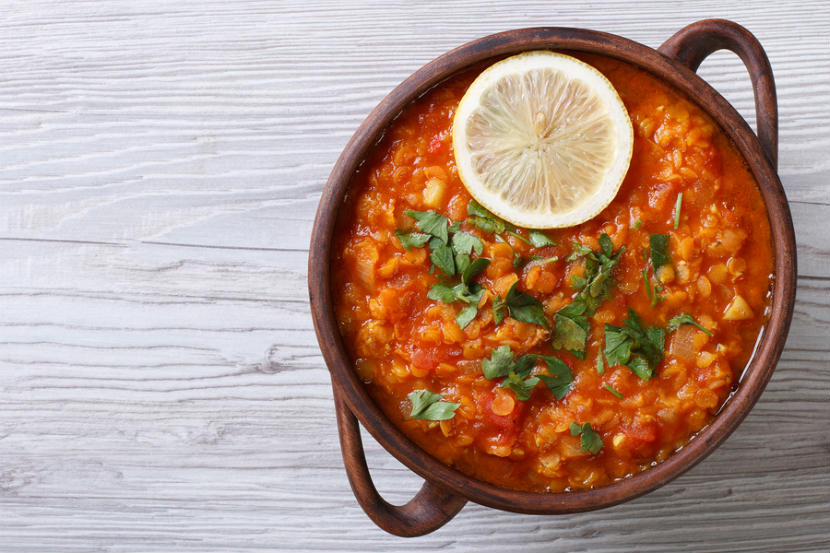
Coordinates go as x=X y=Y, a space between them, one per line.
x=161 y=388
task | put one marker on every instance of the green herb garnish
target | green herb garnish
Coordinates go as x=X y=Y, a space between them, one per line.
x=464 y=291
x=677 y=205
x=638 y=223
x=659 y=246
x=411 y=240
x=521 y=386
x=613 y=391
x=516 y=372
x=466 y=315
x=518 y=236
x=539 y=239
x=499 y=308
x=429 y=406
x=571 y=328
x=640 y=349
x=578 y=251
x=463 y=242
x=571 y=324
x=684 y=319
x=517 y=377
x=544 y=260
x=589 y=440
x=525 y=308
x=486 y=221
x=431 y=223
x=561 y=378
x=442 y=256
x=600 y=364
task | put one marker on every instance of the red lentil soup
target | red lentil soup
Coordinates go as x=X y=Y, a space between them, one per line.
x=716 y=270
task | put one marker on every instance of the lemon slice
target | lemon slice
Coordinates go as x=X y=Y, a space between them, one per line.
x=542 y=140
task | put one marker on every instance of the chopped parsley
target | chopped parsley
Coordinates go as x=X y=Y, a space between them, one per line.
x=429 y=406
x=450 y=251
x=589 y=440
x=639 y=348
x=463 y=242
x=431 y=223
x=465 y=291
x=539 y=239
x=544 y=260
x=525 y=308
x=560 y=381
x=499 y=308
x=517 y=373
x=659 y=246
x=411 y=240
x=600 y=364
x=613 y=391
x=571 y=324
x=480 y=217
x=638 y=223
x=442 y=256
x=684 y=319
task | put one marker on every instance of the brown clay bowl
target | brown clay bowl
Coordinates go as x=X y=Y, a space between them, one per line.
x=446 y=490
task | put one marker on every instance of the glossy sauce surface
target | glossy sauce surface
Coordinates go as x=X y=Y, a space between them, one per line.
x=401 y=341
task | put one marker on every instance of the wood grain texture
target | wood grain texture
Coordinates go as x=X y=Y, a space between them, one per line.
x=160 y=385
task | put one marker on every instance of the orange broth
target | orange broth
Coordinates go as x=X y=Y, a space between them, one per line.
x=402 y=341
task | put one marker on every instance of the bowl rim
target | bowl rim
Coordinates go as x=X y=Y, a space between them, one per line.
x=755 y=374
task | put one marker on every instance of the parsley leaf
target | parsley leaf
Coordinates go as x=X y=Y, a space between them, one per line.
x=684 y=319
x=571 y=328
x=442 y=292
x=441 y=256
x=578 y=251
x=466 y=315
x=411 y=240
x=659 y=246
x=617 y=345
x=429 y=406
x=613 y=391
x=571 y=324
x=498 y=309
x=521 y=386
x=578 y=282
x=606 y=244
x=561 y=378
x=516 y=371
x=463 y=291
x=499 y=364
x=640 y=349
x=518 y=236
x=589 y=440
x=431 y=223
x=474 y=268
x=486 y=221
x=539 y=239
x=463 y=242
x=525 y=308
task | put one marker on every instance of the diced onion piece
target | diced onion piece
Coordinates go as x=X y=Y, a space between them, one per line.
x=738 y=310
x=682 y=343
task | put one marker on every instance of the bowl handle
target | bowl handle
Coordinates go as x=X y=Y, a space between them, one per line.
x=431 y=508
x=690 y=46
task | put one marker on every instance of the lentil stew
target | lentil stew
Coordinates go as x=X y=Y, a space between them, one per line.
x=564 y=359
